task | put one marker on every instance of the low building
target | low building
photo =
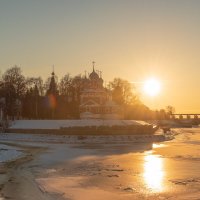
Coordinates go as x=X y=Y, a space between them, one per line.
x=96 y=101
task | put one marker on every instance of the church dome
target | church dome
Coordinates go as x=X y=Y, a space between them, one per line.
x=94 y=75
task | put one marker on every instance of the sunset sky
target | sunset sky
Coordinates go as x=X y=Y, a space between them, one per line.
x=131 y=39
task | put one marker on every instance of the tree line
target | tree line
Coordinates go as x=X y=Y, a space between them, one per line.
x=34 y=98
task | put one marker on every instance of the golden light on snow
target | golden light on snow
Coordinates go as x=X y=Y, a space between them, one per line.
x=152 y=87
x=153 y=172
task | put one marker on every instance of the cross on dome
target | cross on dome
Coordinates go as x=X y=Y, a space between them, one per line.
x=53 y=71
x=93 y=63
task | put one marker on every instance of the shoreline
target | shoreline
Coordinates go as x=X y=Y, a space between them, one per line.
x=79 y=139
x=10 y=170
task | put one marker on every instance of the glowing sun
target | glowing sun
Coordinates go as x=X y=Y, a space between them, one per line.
x=152 y=87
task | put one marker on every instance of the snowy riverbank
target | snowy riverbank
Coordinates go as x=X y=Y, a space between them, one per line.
x=57 y=124
x=82 y=127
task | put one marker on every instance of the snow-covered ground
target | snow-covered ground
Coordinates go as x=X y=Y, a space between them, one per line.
x=57 y=124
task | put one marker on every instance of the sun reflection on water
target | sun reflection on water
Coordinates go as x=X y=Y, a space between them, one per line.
x=153 y=172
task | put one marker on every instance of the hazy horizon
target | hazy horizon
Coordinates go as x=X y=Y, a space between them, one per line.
x=134 y=40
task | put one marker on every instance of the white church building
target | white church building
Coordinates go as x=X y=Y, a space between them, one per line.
x=96 y=101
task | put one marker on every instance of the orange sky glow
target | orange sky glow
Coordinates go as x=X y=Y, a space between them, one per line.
x=134 y=40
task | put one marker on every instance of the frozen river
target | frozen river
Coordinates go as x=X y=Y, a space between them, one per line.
x=58 y=168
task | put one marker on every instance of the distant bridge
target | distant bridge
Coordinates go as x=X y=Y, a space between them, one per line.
x=185 y=116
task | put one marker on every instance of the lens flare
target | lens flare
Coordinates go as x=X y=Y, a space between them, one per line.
x=52 y=101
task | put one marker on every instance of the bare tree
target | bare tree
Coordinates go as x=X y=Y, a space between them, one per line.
x=31 y=82
x=65 y=84
x=170 y=110
x=122 y=91
x=14 y=77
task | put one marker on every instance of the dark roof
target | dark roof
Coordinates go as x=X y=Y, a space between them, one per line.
x=94 y=75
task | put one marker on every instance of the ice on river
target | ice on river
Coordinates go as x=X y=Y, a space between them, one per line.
x=8 y=153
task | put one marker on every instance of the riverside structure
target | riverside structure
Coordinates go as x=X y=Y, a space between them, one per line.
x=82 y=127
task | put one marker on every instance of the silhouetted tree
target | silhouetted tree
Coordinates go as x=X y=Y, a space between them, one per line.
x=122 y=92
x=14 y=87
x=10 y=100
x=65 y=84
x=14 y=77
x=31 y=82
x=170 y=110
x=74 y=95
